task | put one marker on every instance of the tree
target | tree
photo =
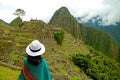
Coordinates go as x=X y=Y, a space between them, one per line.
x=19 y=12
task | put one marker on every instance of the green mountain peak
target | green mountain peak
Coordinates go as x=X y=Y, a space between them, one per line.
x=63 y=18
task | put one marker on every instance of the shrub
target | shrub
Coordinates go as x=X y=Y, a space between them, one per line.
x=81 y=60
x=98 y=66
x=59 y=36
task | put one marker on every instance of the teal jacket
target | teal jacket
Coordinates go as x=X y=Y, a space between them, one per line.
x=41 y=71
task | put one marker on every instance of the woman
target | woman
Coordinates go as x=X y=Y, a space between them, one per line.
x=35 y=67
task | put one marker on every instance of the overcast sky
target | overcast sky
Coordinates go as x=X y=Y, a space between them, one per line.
x=109 y=10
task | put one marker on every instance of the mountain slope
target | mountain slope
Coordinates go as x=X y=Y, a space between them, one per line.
x=96 y=39
x=57 y=57
x=100 y=41
x=95 y=22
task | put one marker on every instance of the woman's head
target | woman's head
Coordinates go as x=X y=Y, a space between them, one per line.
x=35 y=48
x=34 y=51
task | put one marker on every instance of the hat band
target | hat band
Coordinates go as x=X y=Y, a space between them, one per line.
x=34 y=50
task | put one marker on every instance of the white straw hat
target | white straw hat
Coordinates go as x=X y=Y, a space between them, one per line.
x=35 y=48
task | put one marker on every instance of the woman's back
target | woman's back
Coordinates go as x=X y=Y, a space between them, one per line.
x=40 y=71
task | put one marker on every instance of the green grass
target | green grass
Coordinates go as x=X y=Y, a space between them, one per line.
x=18 y=44
x=8 y=73
x=15 y=56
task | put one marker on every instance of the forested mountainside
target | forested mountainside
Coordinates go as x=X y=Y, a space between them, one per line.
x=100 y=41
x=113 y=30
x=97 y=39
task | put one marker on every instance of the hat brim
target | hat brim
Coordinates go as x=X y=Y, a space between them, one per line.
x=30 y=53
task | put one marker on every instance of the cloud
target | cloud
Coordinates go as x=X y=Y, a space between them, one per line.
x=44 y=9
x=109 y=12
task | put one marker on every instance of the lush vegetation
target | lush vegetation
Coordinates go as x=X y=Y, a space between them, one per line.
x=100 y=41
x=97 y=39
x=113 y=31
x=97 y=65
x=59 y=36
x=119 y=55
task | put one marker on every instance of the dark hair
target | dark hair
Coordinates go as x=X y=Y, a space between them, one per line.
x=34 y=60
